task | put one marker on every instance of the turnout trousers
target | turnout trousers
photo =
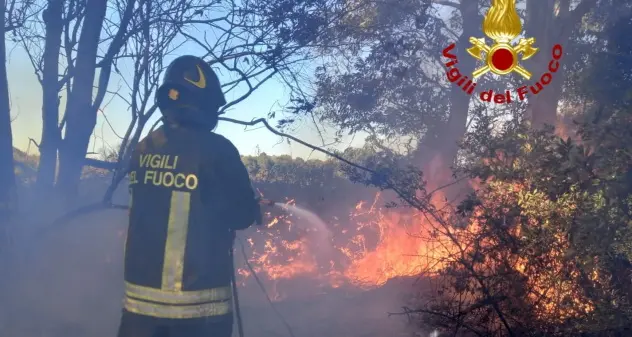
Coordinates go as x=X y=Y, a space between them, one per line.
x=134 y=325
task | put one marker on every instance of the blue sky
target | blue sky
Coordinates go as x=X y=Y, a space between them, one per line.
x=26 y=105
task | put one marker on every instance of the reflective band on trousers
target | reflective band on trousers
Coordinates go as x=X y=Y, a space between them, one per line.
x=176 y=311
x=177 y=297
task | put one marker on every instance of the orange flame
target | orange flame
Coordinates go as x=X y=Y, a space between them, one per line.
x=380 y=244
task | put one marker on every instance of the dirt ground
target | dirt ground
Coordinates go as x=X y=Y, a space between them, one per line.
x=69 y=283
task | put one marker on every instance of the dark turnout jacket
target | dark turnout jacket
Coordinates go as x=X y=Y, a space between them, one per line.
x=189 y=192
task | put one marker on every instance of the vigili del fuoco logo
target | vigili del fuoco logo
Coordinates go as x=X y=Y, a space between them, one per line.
x=502 y=25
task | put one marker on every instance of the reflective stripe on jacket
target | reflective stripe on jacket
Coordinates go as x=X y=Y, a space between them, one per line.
x=177 y=304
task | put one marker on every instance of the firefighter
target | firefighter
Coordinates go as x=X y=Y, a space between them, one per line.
x=189 y=193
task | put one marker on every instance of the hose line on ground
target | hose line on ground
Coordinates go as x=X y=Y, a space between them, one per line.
x=263 y=289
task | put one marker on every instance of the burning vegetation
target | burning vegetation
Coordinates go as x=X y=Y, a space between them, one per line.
x=371 y=247
x=532 y=249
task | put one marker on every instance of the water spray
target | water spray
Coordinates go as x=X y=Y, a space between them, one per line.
x=323 y=236
x=323 y=233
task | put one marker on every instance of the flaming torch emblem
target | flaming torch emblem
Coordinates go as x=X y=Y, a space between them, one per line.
x=502 y=25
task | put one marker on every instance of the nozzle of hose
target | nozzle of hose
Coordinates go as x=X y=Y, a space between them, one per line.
x=266 y=202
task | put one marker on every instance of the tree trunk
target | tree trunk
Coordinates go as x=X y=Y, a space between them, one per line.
x=8 y=195
x=81 y=117
x=50 y=96
x=539 y=23
x=550 y=26
x=436 y=154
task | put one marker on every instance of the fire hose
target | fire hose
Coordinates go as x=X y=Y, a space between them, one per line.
x=233 y=280
x=233 y=284
x=240 y=327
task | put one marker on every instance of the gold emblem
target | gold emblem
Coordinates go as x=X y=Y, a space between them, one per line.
x=201 y=83
x=502 y=25
x=173 y=94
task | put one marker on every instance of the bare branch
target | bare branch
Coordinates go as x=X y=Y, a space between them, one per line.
x=302 y=142
x=446 y=3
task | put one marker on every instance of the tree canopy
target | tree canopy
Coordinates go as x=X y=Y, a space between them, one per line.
x=546 y=251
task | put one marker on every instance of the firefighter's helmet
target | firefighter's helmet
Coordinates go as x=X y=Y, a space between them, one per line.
x=190 y=82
